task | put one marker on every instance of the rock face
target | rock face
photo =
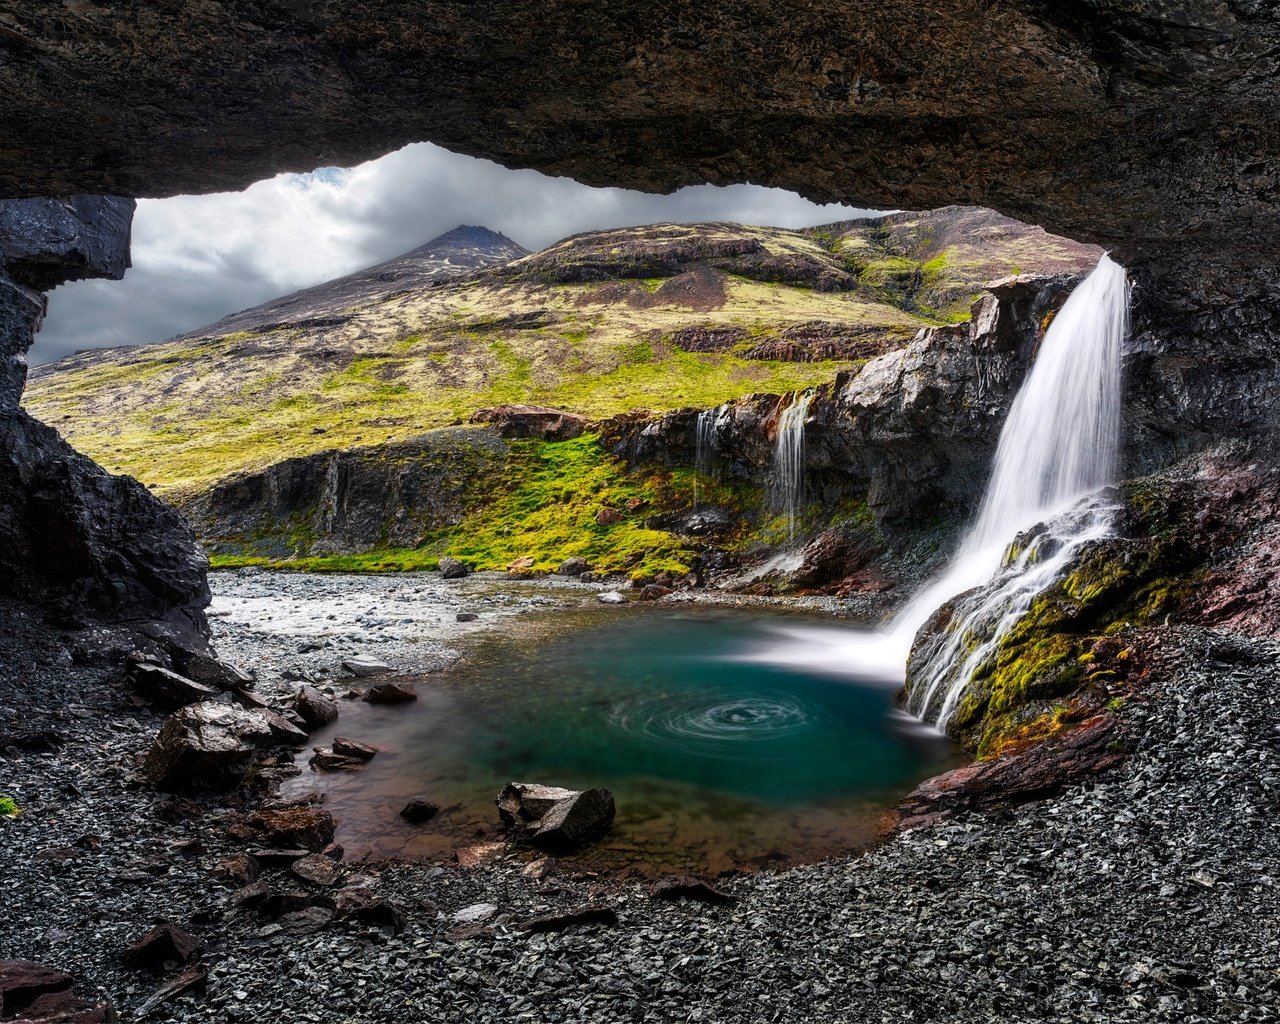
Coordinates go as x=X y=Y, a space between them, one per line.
x=532 y=421
x=1149 y=126
x=74 y=539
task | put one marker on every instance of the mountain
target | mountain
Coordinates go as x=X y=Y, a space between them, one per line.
x=655 y=317
x=464 y=249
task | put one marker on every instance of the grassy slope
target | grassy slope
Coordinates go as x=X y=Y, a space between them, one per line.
x=183 y=414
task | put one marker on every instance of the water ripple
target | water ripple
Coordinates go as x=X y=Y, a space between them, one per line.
x=714 y=725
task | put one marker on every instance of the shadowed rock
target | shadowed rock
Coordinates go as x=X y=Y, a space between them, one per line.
x=206 y=746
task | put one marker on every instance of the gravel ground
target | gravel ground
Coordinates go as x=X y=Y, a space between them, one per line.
x=1152 y=897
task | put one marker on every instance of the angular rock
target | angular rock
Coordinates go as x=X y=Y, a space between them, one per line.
x=381 y=914
x=419 y=809
x=452 y=569
x=474 y=914
x=557 y=922
x=684 y=887
x=539 y=869
x=282 y=730
x=307 y=828
x=210 y=671
x=363 y=665
x=479 y=853
x=306 y=921
x=206 y=746
x=573 y=567
x=390 y=693
x=316 y=869
x=573 y=823
x=165 y=944
x=314 y=708
x=23 y=981
x=466 y=617
x=532 y=421
x=239 y=867
x=325 y=760
x=167 y=689
x=252 y=895
x=352 y=748
x=520 y=803
x=193 y=979
x=653 y=592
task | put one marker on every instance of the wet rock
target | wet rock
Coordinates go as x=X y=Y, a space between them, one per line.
x=558 y=820
x=325 y=760
x=314 y=708
x=466 y=617
x=609 y=517
x=363 y=665
x=316 y=869
x=557 y=922
x=162 y=948
x=653 y=592
x=206 y=746
x=452 y=569
x=351 y=748
x=532 y=421
x=573 y=567
x=210 y=671
x=419 y=809
x=479 y=853
x=390 y=693
x=611 y=597
x=308 y=828
x=282 y=730
x=684 y=887
x=166 y=689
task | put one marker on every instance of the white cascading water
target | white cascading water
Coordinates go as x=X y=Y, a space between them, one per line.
x=788 y=459
x=1059 y=445
x=704 y=456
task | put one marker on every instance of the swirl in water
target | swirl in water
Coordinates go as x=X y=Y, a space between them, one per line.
x=714 y=725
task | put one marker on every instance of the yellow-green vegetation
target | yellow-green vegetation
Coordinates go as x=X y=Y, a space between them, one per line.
x=540 y=508
x=9 y=807
x=182 y=415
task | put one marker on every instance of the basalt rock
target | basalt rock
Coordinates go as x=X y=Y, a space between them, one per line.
x=206 y=746
x=314 y=708
x=33 y=992
x=532 y=421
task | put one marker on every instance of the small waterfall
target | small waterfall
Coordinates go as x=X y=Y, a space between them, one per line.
x=788 y=459
x=1057 y=449
x=704 y=457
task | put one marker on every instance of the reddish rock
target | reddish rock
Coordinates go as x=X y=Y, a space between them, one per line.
x=352 y=748
x=325 y=760
x=33 y=992
x=316 y=869
x=193 y=979
x=239 y=868
x=479 y=853
x=595 y=914
x=653 y=591
x=608 y=517
x=314 y=708
x=206 y=746
x=390 y=693
x=685 y=887
x=309 y=828
x=166 y=943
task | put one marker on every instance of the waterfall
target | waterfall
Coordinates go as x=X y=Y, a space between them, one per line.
x=788 y=459
x=704 y=456
x=1057 y=449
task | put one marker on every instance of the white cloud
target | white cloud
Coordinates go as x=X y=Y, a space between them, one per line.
x=197 y=258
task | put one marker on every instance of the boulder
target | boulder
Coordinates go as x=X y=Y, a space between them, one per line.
x=325 y=760
x=573 y=567
x=534 y=421
x=390 y=693
x=364 y=665
x=210 y=671
x=452 y=569
x=419 y=809
x=163 y=947
x=608 y=517
x=206 y=746
x=555 y=819
x=32 y=992
x=611 y=597
x=352 y=748
x=653 y=592
x=167 y=689
x=239 y=867
x=307 y=827
x=314 y=708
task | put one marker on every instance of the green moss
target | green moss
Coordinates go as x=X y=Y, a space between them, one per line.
x=9 y=807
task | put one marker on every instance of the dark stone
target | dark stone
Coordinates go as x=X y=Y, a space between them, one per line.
x=452 y=569
x=390 y=693
x=164 y=944
x=558 y=820
x=521 y=803
x=573 y=567
x=558 y=922
x=282 y=730
x=307 y=827
x=466 y=617
x=325 y=760
x=352 y=748
x=684 y=887
x=419 y=809
x=278 y=857
x=609 y=517
x=32 y=992
x=306 y=921
x=252 y=895
x=206 y=746
x=314 y=708
x=381 y=914
x=653 y=592
x=167 y=689
x=206 y=669
x=238 y=867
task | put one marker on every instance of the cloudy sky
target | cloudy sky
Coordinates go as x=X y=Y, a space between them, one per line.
x=197 y=258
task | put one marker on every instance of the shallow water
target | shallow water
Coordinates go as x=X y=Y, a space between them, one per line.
x=715 y=762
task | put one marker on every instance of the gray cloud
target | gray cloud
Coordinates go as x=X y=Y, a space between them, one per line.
x=197 y=258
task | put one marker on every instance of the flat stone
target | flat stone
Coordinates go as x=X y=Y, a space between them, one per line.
x=167 y=689
x=352 y=748
x=594 y=914
x=365 y=665
x=685 y=887
x=316 y=869
x=390 y=693
x=192 y=980
x=305 y=827
x=474 y=914
x=479 y=853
